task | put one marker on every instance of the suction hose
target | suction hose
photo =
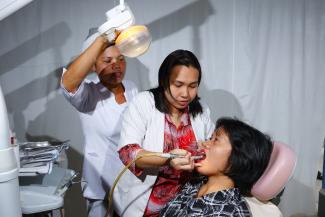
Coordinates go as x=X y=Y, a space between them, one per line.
x=110 y=197
x=158 y=154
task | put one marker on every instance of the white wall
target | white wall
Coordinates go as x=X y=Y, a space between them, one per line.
x=262 y=62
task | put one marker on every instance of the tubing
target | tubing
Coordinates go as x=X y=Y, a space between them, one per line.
x=164 y=155
x=110 y=198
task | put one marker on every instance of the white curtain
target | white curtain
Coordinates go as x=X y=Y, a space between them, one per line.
x=263 y=61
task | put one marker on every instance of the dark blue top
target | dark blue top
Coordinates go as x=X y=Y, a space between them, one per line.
x=222 y=203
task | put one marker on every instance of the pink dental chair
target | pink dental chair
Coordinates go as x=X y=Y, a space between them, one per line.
x=272 y=182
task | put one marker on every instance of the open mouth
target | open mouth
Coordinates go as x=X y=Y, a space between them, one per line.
x=199 y=156
x=117 y=75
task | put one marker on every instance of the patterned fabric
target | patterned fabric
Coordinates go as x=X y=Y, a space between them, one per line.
x=127 y=154
x=169 y=180
x=222 y=203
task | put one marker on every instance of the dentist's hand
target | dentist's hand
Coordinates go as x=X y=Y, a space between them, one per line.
x=182 y=163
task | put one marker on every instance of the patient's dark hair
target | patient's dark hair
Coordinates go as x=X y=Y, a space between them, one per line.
x=251 y=151
x=177 y=57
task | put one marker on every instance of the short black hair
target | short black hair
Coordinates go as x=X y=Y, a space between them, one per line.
x=250 y=155
x=177 y=57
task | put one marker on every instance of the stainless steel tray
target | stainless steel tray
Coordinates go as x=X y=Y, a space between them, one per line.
x=28 y=146
x=43 y=145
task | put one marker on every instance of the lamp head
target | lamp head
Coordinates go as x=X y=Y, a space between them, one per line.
x=132 y=41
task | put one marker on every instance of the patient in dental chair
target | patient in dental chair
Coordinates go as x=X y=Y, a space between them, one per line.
x=236 y=157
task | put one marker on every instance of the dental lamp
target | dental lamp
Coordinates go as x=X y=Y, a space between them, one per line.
x=131 y=40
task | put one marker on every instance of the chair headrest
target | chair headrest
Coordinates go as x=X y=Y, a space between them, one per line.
x=278 y=172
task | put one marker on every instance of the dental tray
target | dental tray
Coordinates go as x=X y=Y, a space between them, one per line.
x=38 y=157
x=33 y=145
x=43 y=146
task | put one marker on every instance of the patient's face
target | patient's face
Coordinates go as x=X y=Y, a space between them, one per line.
x=217 y=150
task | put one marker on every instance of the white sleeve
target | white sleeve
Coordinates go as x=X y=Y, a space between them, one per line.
x=135 y=120
x=83 y=98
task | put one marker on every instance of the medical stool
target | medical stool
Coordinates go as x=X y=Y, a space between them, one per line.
x=33 y=202
x=40 y=197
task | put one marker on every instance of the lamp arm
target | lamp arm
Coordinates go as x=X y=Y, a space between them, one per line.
x=122 y=5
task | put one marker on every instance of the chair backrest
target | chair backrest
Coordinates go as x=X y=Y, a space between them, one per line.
x=278 y=172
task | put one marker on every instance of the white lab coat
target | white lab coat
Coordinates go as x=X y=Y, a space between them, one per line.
x=143 y=124
x=101 y=122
